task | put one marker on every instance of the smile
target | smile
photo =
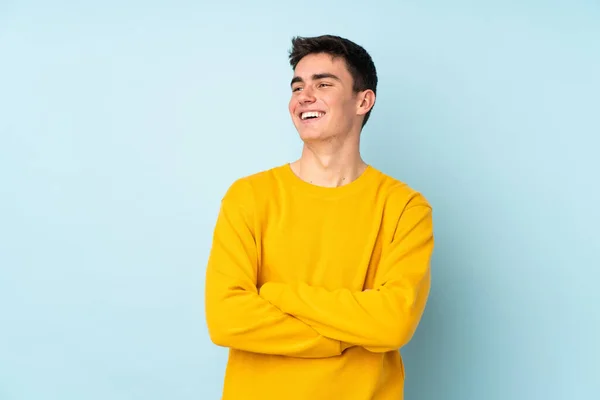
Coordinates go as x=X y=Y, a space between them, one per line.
x=311 y=115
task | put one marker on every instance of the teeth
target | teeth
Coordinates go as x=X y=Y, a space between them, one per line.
x=311 y=114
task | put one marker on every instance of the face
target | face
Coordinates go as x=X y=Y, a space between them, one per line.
x=323 y=105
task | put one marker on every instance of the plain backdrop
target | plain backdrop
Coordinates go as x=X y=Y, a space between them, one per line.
x=123 y=123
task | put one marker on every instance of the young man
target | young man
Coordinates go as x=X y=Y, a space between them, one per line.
x=319 y=269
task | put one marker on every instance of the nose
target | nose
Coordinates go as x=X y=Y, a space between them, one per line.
x=306 y=96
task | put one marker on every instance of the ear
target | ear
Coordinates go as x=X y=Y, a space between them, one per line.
x=365 y=100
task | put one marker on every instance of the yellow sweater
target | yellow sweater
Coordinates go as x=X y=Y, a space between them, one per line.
x=314 y=290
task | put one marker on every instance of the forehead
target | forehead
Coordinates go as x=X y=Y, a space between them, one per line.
x=314 y=64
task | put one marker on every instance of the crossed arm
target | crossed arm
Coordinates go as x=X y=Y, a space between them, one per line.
x=305 y=321
x=236 y=315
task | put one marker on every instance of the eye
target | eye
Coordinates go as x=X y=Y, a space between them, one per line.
x=296 y=89
x=323 y=84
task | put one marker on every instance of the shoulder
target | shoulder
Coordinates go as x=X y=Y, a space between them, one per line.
x=404 y=208
x=398 y=194
x=244 y=190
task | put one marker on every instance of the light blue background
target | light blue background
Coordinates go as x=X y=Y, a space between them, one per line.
x=123 y=123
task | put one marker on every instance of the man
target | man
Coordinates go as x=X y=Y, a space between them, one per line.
x=319 y=269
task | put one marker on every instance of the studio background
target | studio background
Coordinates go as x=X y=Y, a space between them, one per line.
x=123 y=123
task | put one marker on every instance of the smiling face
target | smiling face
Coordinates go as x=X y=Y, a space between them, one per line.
x=323 y=104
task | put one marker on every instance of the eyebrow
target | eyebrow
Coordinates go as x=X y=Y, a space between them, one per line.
x=315 y=77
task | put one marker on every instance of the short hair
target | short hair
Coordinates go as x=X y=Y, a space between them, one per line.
x=358 y=61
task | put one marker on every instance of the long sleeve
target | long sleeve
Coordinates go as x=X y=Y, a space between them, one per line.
x=237 y=317
x=384 y=318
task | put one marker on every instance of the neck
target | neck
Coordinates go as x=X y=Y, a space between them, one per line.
x=329 y=165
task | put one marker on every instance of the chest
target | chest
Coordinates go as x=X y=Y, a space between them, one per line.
x=334 y=246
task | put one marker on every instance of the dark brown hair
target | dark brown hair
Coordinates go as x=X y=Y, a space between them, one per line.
x=358 y=61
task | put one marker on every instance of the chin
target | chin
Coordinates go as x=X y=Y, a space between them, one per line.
x=309 y=135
